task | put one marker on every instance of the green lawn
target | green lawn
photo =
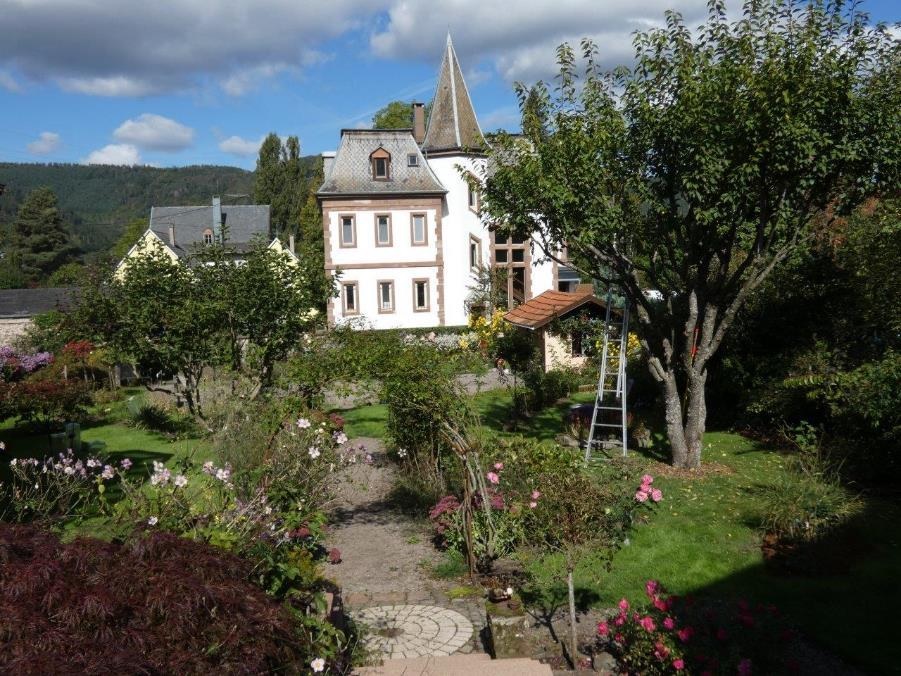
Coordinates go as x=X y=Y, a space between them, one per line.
x=704 y=539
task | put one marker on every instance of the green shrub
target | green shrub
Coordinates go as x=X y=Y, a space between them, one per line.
x=806 y=506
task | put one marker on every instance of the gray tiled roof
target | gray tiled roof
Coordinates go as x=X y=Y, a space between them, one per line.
x=351 y=171
x=31 y=302
x=452 y=123
x=241 y=223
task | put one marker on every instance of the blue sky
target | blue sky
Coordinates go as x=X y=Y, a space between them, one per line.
x=176 y=82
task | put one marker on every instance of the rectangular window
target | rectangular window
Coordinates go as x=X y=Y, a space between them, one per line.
x=412 y=160
x=473 y=198
x=380 y=167
x=418 y=233
x=500 y=255
x=519 y=255
x=577 y=344
x=350 y=299
x=421 y=295
x=348 y=231
x=386 y=296
x=383 y=230
x=475 y=253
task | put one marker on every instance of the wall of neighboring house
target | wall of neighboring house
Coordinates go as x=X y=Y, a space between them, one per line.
x=401 y=261
x=460 y=223
x=148 y=242
x=558 y=352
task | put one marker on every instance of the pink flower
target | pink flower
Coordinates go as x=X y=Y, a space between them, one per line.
x=647 y=623
x=685 y=633
x=623 y=605
x=603 y=629
x=536 y=495
x=641 y=496
x=647 y=480
x=661 y=604
x=620 y=620
x=334 y=555
x=618 y=638
x=661 y=652
x=498 y=466
x=668 y=623
x=533 y=504
x=744 y=667
x=493 y=478
x=679 y=664
x=651 y=587
x=656 y=495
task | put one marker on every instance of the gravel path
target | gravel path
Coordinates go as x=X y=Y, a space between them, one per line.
x=382 y=550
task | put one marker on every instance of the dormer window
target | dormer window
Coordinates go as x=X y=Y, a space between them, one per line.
x=207 y=236
x=381 y=165
x=412 y=160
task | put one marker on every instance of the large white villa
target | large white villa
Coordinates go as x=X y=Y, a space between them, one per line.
x=402 y=226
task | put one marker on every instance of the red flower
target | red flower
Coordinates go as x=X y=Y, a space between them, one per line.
x=685 y=634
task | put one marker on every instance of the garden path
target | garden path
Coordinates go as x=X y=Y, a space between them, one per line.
x=386 y=559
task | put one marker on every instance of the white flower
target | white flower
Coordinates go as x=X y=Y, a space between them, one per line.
x=267 y=510
x=402 y=453
x=340 y=438
x=152 y=521
x=223 y=474
x=314 y=452
x=13 y=462
x=108 y=472
x=303 y=423
x=318 y=665
x=69 y=471
x=509 y=591
x=181 y=481
x=209 y=467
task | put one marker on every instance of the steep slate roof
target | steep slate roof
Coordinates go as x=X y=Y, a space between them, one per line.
x=548 y=306
x=351 y=171
x=241 y=223
x=31 y=302
x=453 y=125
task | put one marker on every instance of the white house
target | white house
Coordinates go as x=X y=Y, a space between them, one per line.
x=401 y=223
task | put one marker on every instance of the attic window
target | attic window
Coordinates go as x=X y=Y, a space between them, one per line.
x=381 y=165
x=412 y=160
x=207 y=236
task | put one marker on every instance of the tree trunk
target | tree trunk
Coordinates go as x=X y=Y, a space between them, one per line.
x=686 y=415
x=573 y=640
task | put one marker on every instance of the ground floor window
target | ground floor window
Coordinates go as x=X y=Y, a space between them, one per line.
x=576 y=343
x=421 y=295
x=386 y=296
x=350 y=299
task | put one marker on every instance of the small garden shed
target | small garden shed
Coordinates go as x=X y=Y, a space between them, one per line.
x=554 y=317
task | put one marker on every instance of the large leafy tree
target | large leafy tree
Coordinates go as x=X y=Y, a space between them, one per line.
x=702 y=168
x=397 y=115
x=39 y=242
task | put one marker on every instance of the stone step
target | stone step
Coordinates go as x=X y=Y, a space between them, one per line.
x=473 y=664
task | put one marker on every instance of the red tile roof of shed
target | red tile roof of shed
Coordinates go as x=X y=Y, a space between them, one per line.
x=548 y=306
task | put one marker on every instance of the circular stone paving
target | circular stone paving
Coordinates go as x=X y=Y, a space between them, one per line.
x=414 y=631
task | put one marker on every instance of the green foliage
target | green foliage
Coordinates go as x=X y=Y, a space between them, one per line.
x=68 y=274
x=703 y=168
x=397 y=115
x=39 y=242
x=806 y=507
x=129 y=237
x=98 y=200
x=281 y=182
x=548 y=387
x=46 y=402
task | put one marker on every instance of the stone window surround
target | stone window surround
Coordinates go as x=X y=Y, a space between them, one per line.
x=425 y=229
x=378 y=287
x=353 y=223
x=427 y=306
x=356 y=296
x=208 y=236
x=390 y=241
x=473 y=240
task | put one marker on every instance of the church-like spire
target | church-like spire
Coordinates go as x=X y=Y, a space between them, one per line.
x=452 y=122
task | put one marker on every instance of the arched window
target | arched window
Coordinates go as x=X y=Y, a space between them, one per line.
x=207 y=236
x=381 y=164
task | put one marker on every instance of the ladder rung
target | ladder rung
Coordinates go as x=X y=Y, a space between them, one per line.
x=609 y=408
x=617 y=425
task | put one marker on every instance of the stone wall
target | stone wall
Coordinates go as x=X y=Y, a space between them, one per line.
x=11 y=329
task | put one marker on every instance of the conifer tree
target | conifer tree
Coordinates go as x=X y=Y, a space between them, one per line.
x=39 y=242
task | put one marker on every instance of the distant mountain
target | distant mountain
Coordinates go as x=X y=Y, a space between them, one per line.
x=97 y=201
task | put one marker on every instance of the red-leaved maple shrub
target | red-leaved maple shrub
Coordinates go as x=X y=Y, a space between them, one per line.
x=157 y=604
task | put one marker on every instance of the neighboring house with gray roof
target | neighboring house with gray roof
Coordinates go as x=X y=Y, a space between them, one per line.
x=184 y=231
x=401 y=219
x=18 y=308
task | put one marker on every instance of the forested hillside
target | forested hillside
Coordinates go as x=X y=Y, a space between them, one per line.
x=97 y=201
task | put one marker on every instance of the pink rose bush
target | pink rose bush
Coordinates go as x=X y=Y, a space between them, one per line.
x=673 y=634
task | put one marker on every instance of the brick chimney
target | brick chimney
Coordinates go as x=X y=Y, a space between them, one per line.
x=419 y=122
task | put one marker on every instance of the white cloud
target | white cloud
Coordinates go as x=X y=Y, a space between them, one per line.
x=8 y=82
x=114 y=153
x=235 y=145
x=45 y=144
x=155 y=132
x=521 y=44
x=140 y=48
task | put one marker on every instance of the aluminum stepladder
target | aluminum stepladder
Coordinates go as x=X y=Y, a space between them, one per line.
x=610 y=399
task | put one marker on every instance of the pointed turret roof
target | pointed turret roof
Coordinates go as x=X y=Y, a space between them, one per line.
x=453 y=125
